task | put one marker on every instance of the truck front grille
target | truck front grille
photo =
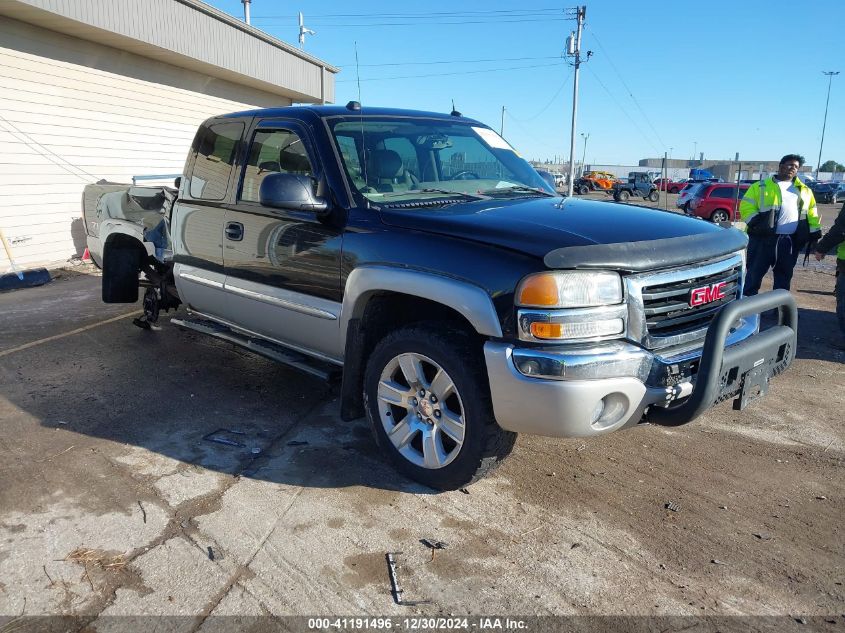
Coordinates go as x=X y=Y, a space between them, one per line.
x=667 y=306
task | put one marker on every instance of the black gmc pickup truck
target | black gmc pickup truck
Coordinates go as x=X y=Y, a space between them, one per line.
x=462 y=301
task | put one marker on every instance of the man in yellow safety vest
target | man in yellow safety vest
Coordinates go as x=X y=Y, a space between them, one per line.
x=781 y=217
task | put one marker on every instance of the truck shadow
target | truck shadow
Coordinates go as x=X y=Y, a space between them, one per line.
x=169 y=398
x=181 y=396
x=818 y=336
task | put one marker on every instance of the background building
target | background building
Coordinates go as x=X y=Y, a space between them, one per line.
x=725 y=169
x=97 y=89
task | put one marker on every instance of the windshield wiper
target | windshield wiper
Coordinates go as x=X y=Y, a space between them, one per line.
x=461 y=194
x=519 y=189
x=413 y=192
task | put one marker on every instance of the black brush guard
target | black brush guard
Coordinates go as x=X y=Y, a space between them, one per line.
x=741 y=371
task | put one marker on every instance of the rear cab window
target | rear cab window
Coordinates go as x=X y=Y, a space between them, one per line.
x=216 y=148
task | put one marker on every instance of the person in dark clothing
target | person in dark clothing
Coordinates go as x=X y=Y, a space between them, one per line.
x=836 y=237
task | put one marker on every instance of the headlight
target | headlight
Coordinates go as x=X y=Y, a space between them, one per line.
x=570 y=306
x=570 y=289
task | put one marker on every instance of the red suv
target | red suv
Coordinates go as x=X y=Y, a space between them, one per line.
x=717 y=202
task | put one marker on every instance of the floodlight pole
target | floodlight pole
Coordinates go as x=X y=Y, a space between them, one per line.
x=830 y=74
x=575 y=49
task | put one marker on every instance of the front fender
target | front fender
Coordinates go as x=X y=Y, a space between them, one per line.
x=469 y=300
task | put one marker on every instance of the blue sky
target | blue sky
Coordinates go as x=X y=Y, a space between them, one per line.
x=740 y=76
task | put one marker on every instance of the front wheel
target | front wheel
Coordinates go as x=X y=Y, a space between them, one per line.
x=653 y=195
x=719 y=216
x=428 y=402
x=583 y=190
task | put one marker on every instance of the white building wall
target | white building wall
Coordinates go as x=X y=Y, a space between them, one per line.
x=73 y=112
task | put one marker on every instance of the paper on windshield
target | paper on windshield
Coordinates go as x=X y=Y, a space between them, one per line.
x=492 y=139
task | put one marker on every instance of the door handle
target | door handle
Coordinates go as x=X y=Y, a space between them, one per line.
x=234 y=231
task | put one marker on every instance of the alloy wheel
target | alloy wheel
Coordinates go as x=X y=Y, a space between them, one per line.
x=421 y=410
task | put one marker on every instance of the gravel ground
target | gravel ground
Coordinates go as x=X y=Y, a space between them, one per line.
x=114 y=502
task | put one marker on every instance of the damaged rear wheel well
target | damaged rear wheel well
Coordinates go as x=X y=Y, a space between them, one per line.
x=123 y=258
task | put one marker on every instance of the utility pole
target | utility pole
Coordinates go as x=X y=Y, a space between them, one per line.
x=584 y=155
x=573 y=48
x=694 y=149
x=502 y=129
x=830 y=74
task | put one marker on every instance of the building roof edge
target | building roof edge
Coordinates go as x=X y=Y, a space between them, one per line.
x=255 y=32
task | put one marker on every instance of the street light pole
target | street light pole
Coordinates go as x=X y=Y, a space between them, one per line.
x=830 y=74
x=584 y=155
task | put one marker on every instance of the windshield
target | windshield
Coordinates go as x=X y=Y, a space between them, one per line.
x=397 y=160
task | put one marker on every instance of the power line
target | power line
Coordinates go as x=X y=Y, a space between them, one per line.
x=624 y=111
x=425 y=14
x=630 y=94
x=466 y=72
x=548 y=105
x=452 y=61
x=324 y=25
x=534 y=138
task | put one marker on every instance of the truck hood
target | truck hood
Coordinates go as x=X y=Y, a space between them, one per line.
x=562 y=231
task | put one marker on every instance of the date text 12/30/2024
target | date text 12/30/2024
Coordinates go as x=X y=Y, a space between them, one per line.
x=480 y=623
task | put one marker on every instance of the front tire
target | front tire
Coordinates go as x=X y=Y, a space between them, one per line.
x=653 y=195
x=428 y=402
x=583 y=190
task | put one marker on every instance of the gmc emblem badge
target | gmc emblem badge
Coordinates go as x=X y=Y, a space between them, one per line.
x=707 y=294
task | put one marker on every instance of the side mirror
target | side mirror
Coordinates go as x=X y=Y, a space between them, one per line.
x=290 y=191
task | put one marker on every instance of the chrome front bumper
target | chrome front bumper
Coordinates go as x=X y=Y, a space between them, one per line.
x=582 y=390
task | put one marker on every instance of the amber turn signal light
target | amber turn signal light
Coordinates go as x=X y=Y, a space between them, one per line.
x=547 y=330
x=539 y=290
